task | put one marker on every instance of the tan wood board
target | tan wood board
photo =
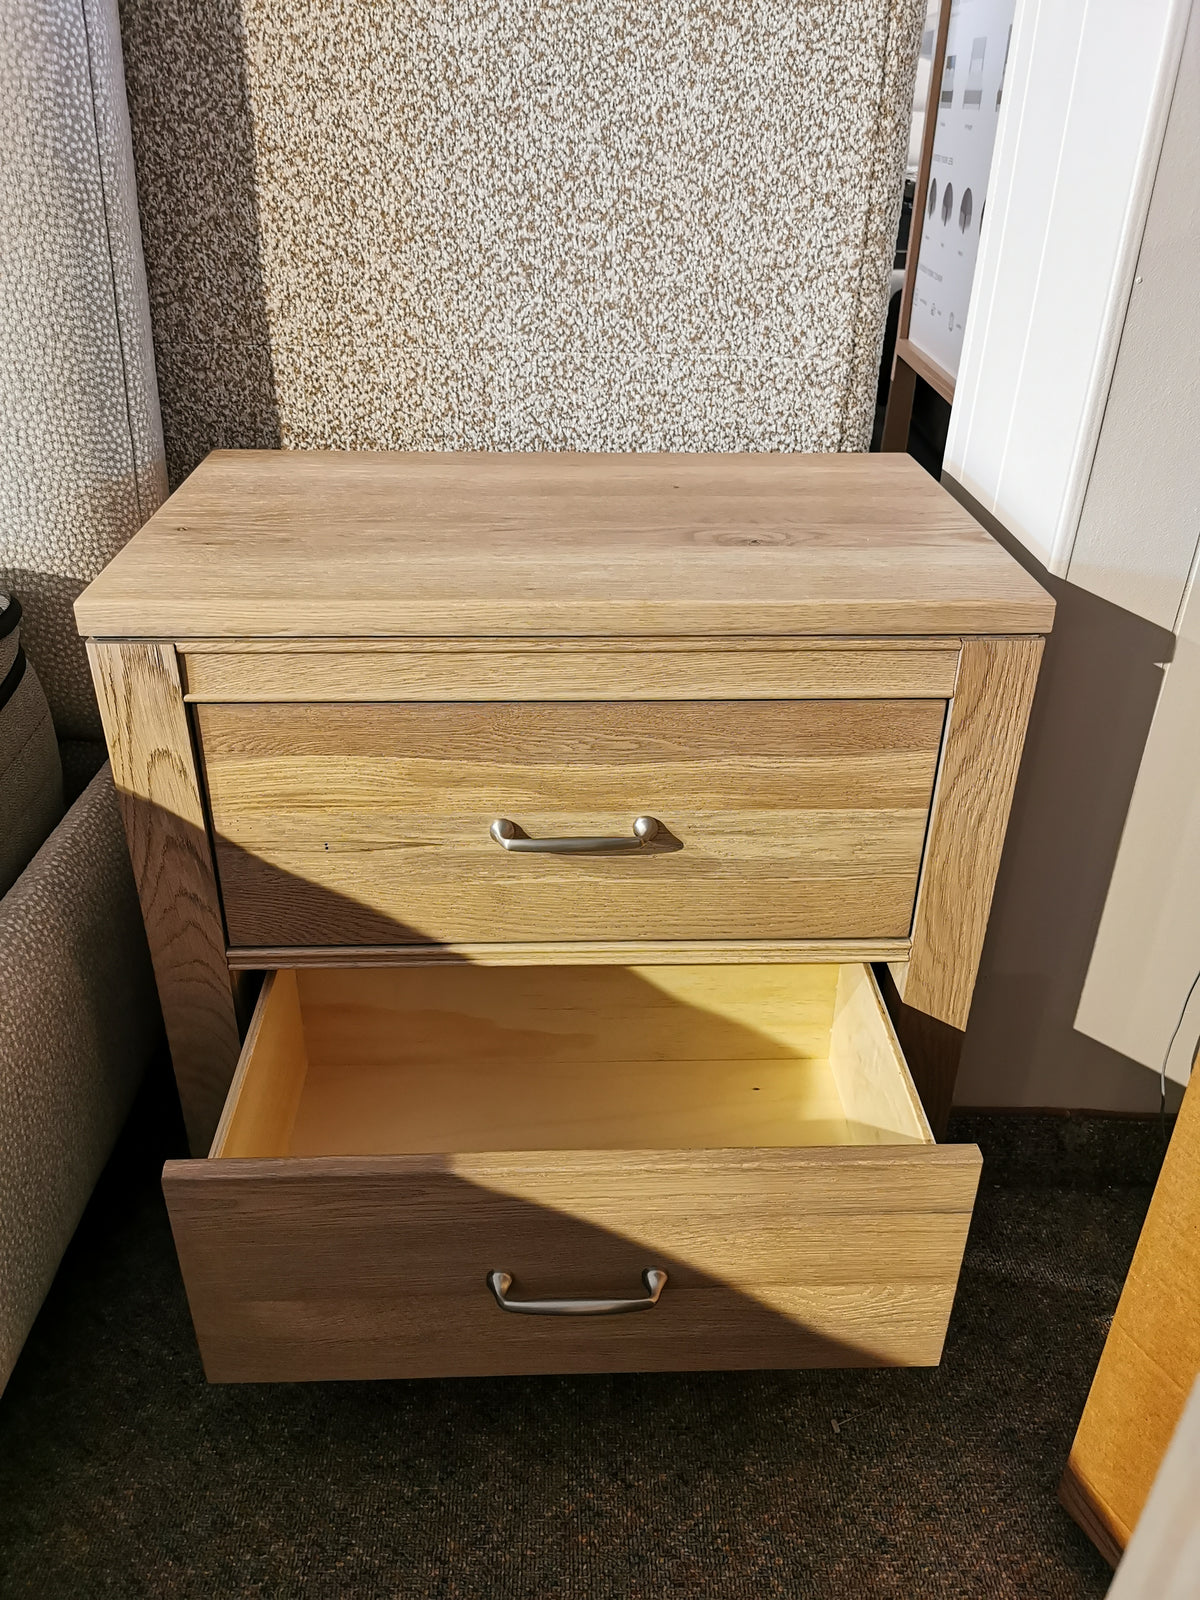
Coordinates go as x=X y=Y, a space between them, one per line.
x=366 y=824
x=931 y=1048
x=145 y=724
x=571 y=670
x=375 y=1267
x=925 y=367
x=563 y=952
x=985 y=735
x=301 y=544
x=868 y=1066
x=1151 y=1357
x=267 y=1087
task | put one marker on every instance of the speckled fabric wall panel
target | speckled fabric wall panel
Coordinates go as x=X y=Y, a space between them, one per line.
x=519 y=224
x=81 y=455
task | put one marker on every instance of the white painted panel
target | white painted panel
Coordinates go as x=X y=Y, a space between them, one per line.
x=1140 y=523
x=1147 y=950
x=1088 y=87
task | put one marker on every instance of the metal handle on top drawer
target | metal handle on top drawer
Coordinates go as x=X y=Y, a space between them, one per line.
x=501 y=1282
x=511 y=837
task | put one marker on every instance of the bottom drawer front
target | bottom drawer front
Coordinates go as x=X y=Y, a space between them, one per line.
x=377 y=1267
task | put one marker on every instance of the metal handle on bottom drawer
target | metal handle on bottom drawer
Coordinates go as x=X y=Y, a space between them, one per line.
x=507 y=833
x=501 y=1282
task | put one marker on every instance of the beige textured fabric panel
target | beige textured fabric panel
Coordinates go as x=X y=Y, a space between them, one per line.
x=78 y=1023
x=81 y=458
x=519 y=224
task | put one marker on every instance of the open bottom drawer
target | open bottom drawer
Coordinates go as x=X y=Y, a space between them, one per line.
x=405 y=1152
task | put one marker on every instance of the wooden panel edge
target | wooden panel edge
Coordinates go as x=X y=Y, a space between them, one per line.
x=484 y=670
x=572 y=644
x=926 y=368
x=879 y=1022
x=626 y=953
x=475 y=1165
x=899 y=974
x=264 y=1004
x=1148 y=1366
x=1105 y=1532
x=977 y=775
x=158 y=790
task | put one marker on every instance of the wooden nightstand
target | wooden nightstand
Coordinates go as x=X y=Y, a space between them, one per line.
x=565 y=801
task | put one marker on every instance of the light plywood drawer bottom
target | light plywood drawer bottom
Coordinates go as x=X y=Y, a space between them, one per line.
x=395 y=1136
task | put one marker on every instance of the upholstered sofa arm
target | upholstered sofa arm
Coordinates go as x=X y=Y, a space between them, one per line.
x=79 y=1019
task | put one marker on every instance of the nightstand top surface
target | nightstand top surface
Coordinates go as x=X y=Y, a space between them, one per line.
x=306 y=544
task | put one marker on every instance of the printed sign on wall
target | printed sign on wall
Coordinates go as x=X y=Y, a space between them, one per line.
x=967 y=110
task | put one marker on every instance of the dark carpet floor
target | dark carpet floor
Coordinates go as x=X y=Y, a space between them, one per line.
x=123 y=1474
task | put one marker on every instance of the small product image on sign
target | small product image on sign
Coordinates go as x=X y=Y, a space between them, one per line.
x=973 y=94
x=948 y=81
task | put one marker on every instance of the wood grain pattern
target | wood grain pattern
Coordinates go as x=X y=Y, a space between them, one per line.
x=985 y=734
x=369 y=824
x=517 y=953
x=559 y=544
x=1151 y=1357
x=375 y=1267
x=145 y=724
x=560 y=669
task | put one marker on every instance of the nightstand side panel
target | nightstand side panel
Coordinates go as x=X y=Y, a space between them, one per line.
x=158 y=787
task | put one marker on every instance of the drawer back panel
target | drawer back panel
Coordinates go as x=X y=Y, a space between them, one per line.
x=355 y=824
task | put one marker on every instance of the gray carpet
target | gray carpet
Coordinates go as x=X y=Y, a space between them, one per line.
x=122 y=1473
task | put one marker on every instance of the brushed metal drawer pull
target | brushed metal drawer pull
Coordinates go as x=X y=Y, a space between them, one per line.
x=501 y=1282
x=507 y=833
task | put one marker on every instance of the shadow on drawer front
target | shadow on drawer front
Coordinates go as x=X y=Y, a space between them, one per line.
x=750 y=1131
x=373 y=824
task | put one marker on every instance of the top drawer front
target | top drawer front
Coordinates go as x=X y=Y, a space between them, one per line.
x=368 y=824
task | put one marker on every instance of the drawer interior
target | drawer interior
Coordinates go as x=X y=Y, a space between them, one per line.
x=453 y=1059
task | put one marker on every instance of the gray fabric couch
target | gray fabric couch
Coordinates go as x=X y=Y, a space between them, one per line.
x=81 y=466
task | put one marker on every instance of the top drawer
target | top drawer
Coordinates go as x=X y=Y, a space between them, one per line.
x=357 y=824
